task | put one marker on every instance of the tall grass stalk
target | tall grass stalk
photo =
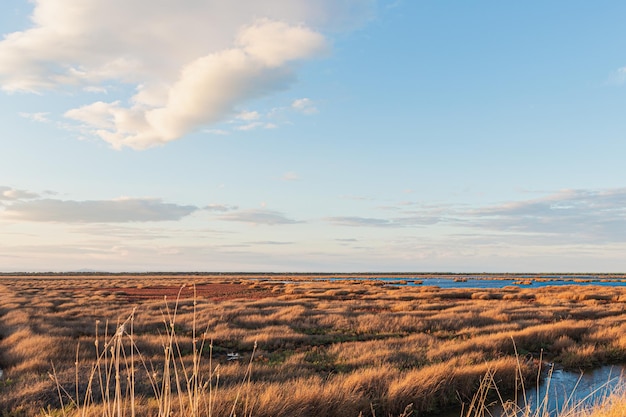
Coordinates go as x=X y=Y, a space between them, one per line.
x=182 y=388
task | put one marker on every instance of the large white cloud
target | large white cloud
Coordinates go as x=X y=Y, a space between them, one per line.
x=191 y=62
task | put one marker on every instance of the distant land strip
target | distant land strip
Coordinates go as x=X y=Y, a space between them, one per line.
x=330 y=275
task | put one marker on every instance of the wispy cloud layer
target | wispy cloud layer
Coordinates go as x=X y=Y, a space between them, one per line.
x=8 y=193
x=191 y=64
x=105 y=211
x=568 y=216
x=584 y=215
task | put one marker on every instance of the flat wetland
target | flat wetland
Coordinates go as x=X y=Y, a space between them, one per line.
x=292 y=344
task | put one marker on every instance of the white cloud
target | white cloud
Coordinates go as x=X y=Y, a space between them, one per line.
x=98 y=115
x=305 y=106
x=100 y=211
x=41 y=117
x=618 y=77
x=256 y=125
x=208 y=89
x=249 y=126
x=220 y=207
x=249 y=115
x=250 y=120
x=257 y=217
x=8 y=193
x=192 y=63
x=290 y=176
x=356 y=221
x=410 y=221
x=270 y=242
x=219 y=132
x=95 y=89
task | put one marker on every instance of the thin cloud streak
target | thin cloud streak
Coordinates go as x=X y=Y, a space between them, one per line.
x=271 y=243
x=220 y=207
x=355 y=221
x=258 y=217
x=397 y=222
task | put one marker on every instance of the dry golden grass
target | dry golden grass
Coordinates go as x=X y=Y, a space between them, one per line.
x=324 y=348
x=612 y=406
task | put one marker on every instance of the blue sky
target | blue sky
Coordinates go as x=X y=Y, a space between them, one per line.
x=301 y=135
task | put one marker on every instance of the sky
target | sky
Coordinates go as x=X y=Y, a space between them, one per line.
x=312 y=136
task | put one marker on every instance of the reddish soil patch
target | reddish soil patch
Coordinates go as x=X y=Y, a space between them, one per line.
x=216 y=292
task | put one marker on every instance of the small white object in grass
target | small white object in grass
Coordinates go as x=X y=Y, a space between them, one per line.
x=233 y=356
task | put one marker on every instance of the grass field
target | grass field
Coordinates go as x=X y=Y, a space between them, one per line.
x=143 y=345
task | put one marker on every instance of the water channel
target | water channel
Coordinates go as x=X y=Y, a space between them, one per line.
x=563 y=390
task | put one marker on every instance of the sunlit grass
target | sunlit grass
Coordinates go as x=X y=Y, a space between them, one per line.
x=322 y=348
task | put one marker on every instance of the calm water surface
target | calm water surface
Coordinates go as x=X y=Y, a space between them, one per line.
x=566 y=388
x=478 y=282
x=501 y=283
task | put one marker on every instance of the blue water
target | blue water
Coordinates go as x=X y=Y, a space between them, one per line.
x=561 y=391
x=500 y=283
x=566 y=390
x=495 y=283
